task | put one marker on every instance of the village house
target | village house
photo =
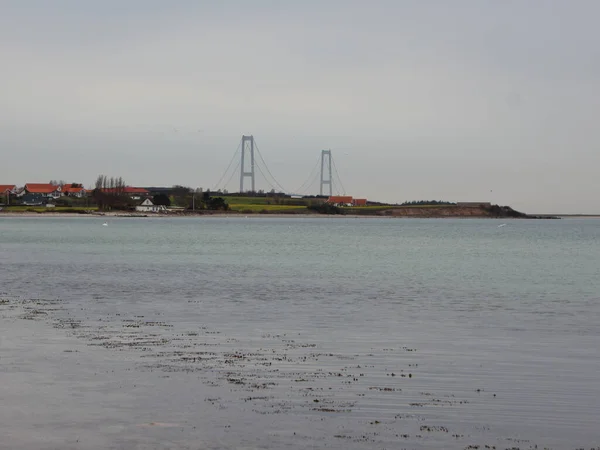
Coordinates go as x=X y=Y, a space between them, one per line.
x=148 y=206
x=134 y=193
x=6 y=190
x=346 y=200
x=340 y=200
x=33 y=200
x=73 y=190
x=46 y=190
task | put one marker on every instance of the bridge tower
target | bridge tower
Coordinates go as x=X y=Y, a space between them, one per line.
x=247 y=150
x=326 y=176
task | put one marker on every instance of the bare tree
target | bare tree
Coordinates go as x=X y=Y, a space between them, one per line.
x=120 y=187
x=109 y=193
x=99 y=182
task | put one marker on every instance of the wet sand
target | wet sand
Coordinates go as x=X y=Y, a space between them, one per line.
x=60 y=392
x=138 y=382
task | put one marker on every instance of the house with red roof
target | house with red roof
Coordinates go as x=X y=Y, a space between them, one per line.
x=73 y=190
x=340 y=200
x=359 y=202
x=6 y=190
x=135 y=193
x=42 y=189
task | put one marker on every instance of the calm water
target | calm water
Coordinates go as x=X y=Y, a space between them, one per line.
x=299 y=333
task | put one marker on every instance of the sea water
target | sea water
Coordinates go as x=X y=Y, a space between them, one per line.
x=272 y=332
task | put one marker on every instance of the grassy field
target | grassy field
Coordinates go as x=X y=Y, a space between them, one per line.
x=266 y=201
x=267 y=204
x=248 y=200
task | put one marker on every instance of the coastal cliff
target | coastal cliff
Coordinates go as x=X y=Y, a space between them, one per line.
x=483 y=211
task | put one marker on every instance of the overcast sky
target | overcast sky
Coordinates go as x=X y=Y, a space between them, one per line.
x=452 y=100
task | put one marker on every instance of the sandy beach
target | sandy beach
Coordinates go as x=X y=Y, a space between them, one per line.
x=257 y=215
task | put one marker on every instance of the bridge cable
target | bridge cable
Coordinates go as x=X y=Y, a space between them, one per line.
x=314 y=180
x=310 y=177
x=338 y=176
x=267 y=168
x=229 y=166
x=232 y=175
x=266 y=179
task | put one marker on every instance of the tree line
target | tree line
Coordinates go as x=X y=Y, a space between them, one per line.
x=109 y=193
x=189 y=199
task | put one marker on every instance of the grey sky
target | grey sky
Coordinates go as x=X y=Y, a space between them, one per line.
x=455 y=100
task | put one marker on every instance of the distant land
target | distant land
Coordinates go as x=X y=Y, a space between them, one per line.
x=421 y=211
x=113 y=196
x=577 y=215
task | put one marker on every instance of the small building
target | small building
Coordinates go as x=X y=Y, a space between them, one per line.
x=6 y=190
x=73 y=190
x=134 y=193
x=44 y=189
x=340 y=200
x=359 y=202
x=33 y=200
x=148 y=206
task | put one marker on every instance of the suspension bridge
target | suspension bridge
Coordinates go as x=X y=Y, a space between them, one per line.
x=248 y=162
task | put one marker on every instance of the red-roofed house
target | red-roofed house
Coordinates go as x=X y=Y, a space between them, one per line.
x=134 y=192
x=73 y=190
x=43 y=189
x=6 y=190
x=359 y=202
x=340 y=200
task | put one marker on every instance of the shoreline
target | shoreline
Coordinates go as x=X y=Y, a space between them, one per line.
x=274 y=215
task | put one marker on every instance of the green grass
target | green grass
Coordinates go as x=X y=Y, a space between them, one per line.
x=298 y=202
x=268 y=208
x=247 y=200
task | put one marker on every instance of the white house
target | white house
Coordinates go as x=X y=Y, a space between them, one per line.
x=42 y=189
x=148 y=206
